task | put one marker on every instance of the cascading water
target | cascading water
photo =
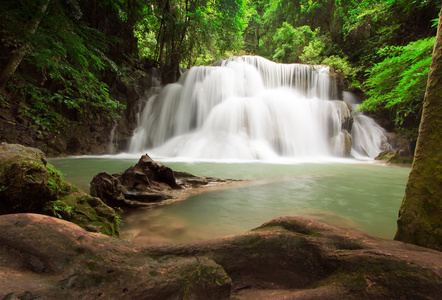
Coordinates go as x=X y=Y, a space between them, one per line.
x=248 y=108
x=368 y=138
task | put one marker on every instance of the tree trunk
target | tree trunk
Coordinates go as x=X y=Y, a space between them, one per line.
x=17 y=55
x=419 y=219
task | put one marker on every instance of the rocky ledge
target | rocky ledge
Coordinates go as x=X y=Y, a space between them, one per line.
x=394 y=158
x=42 y=257
x=149 y=184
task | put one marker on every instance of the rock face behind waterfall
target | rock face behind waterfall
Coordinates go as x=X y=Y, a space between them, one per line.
x=147 y=184
x=287 y=258
x=29 y=184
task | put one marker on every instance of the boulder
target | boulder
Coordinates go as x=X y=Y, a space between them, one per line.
x=29 y=184
x=287 y=258
x=394 y=158
x=147 y=184
x=341 y=144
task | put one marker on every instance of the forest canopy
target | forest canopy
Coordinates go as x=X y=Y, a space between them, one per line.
x=62 y=56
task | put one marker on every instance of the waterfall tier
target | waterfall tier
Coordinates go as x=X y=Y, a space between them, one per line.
x=250 y=108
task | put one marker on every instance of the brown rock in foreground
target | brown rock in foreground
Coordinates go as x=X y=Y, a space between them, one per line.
x=148 y=183
x=295 y=258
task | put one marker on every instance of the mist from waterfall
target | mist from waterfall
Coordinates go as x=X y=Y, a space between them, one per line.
x=249 y=108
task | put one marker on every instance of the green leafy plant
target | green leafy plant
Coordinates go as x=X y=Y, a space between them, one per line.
x=398 y=83
x=60 y=209
x=118 y=219
x=292 y=42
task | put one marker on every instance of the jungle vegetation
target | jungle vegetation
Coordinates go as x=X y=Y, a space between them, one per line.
x=59 y=57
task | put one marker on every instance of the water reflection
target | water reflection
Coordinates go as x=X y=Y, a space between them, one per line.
x=365 y=196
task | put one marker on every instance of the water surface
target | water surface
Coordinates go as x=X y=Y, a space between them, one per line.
x=362 y=195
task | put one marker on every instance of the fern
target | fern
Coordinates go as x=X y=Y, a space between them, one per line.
x=398 y=82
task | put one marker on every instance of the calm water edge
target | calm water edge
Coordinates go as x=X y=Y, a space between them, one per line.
x=362 y=195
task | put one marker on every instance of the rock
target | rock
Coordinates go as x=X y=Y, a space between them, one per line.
x=339 y=131
x=341 y=144
x=29 y=184
x=148 y=183
x=286 y=258
x=394 y=158
x=50 y=258
x=402 y=146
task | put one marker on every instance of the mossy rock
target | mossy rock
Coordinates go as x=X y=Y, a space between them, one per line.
x=394 y=158
x=29 y=184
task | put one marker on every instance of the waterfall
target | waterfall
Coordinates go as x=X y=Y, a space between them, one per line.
x=247 y=108
x=368 y=138
x=113 y=144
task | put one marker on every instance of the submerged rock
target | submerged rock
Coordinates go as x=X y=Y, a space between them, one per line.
x=286 y=258
x=29 y=184
x=147 y=184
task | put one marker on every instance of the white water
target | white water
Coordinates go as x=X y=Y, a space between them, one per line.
x=112 y=144
x=249 y=108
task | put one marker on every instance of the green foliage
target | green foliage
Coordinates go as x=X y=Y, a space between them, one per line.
x=61 y=210
x=176 y=32
x=398 y=83
x=291 y=42
x=312 y=52
x=118 y=219
x=67 y=57
x=342 y=67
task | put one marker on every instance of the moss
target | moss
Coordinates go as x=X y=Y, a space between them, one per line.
x=207 y=277
x=31 y=185
x=394 y=158
x=247 y=241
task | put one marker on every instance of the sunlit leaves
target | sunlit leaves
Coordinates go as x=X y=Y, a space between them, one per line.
x=398 y=82
x=183 y=31
x=291 y=42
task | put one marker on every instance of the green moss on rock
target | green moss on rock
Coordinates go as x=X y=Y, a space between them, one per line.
x=30 y=184
x=394 y=158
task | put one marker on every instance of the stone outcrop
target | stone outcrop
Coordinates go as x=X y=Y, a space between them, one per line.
x=148 y=184
x=287 y=258
x=29 y=184
x=394 y=158
x=339 y=134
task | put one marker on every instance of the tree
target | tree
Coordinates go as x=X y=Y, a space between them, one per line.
x=64 y=53
x=420 y=219
x=184 y=30
x=18 y=54
x=256 y=26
